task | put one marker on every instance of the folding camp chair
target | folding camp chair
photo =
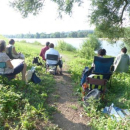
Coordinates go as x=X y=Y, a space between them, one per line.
x=9 y=52
x=3 y=66
x=52 y=66
x=101 y=73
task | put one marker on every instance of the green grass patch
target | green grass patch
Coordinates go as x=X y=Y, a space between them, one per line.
x=24 y=106
x=119 y=94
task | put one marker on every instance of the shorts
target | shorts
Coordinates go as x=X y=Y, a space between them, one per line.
x=60 y=63
x=17 y=70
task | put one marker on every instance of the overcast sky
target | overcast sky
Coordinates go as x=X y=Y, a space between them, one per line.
x=47 y=21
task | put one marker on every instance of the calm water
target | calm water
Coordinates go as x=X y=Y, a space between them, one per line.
x=112 y=50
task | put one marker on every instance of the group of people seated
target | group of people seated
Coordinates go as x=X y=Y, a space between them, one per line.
x=6 y=56
x=49 y=50
x=121 y=62
x=7 y=53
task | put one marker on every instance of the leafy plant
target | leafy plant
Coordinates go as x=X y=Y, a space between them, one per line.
x=63 y=46
x=22 y=105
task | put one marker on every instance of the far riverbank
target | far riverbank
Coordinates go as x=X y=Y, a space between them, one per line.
x=112 y=50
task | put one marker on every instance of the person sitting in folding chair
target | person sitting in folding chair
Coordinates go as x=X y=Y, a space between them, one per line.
x=11 y=51
x=101 y=53
x=100 y=73
x=9 y=69
x=52 y=57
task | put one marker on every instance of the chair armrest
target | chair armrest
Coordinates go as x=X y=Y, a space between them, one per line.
x=96 y=81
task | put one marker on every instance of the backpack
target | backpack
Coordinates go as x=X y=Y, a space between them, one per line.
x=85 y=73
x=35 y=61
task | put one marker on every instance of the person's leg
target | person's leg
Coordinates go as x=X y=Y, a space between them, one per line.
x=18 y=69
x=60 y=63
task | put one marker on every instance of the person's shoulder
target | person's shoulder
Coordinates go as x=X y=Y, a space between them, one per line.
x=4 y=55
x=55 y=50
x=47 y=51
x=43 y=47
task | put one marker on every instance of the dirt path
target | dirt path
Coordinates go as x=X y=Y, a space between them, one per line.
x=70 y=115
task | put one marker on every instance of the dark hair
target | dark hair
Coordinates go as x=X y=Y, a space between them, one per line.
x=2 y=45
x=51 y=45
x=124 y=50
x=47 y=43
x=11 y=41
x=102 y=52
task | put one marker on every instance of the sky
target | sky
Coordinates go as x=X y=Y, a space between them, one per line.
x=47 y=21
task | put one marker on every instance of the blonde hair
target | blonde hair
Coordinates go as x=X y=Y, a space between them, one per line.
x=2 y=45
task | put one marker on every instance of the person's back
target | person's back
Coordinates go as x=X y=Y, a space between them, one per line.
x=51 y=51
x=54 y=52
x=43 y=50
x=122 y=61
x=11 y=52
x=123 y=64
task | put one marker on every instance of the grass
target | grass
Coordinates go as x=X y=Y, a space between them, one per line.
x=73 y=107
x=119 y=94
x=24 y=106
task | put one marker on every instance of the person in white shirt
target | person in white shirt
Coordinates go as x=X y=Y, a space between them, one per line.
x=52 y=51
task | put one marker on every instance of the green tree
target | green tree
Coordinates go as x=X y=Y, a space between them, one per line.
x=127 y=38
x=37 y=35
x=42 y=35
x=107 y=15
x=35 y=6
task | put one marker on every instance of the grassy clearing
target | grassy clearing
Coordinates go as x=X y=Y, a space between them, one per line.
x=24 y=106
x=119 y=94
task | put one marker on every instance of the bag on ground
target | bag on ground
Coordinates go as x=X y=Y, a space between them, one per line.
x=35 y=79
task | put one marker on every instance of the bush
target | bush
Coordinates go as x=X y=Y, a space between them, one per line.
x=63 y=46
x=89 y=46
x=92 y=42
x=37 y=43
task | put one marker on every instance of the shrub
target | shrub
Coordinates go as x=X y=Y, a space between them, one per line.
x=92 y=42
x=89 y=46
x=63 y=46
x=37 y=43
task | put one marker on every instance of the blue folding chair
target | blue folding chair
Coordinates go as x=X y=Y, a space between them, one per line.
x=102 y=70
x=103 y=66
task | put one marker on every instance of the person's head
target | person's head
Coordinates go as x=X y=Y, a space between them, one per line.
x=51 y=45
x=102 y=52
x=11 y=41
x=2 y=45
x=47 y=43
x=124 y=50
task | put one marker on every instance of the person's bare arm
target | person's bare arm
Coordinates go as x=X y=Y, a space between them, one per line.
x=9 y=64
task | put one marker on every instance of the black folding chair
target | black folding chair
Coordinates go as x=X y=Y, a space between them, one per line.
x=52 y=66
x=9 y=52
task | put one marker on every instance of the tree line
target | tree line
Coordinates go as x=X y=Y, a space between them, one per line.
x=72 y=34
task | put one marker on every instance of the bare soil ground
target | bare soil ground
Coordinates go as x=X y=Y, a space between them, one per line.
x=70 y=115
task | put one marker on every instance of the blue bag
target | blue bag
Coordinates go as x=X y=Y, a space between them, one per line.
x=35 y=79
x=84 y=75
x=86 y=72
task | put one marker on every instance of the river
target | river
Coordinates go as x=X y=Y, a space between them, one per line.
x=112 y=50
